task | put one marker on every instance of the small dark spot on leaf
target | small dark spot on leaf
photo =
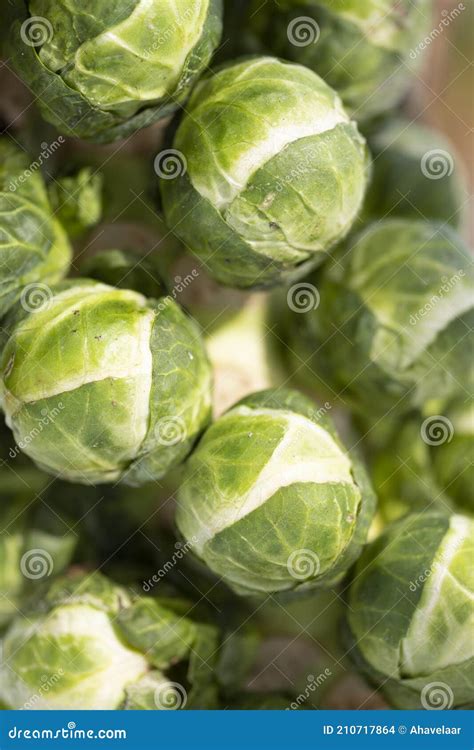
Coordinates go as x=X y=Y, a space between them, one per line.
x=273 y=225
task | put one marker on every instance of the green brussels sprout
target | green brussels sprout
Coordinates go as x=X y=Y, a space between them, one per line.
x=77 y=200
x=271 y=499
x=362 y=48
x=101 y=384
x=452 y=453
x=411 y=616
x=423 y=462
x=124 y=270
x=390 y=331
x=272 y=172
x=34 y=248
x=34 y=543
x=414 y=175
x=91 y=645
x=105 y=73
x=31 y=548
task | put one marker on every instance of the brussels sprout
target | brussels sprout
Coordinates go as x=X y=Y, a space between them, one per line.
x=423 y=462
x=31 y=547
x=124 y=270
x=102 y=648
x=77 y=200
x=452 y=453
x=391 y=331
x=34 y=248
x=272 y=500
x=272 y=172
x=411 y=613
x=362 y=48
x=101 y=384
x=104 y=74
x=415 y=175
x=34 y=543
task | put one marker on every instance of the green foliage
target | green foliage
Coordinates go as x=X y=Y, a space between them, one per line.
x=362 y=48
x=415 y=175
x=105 y=73
x=271 y=500
x=410 y=614
x=257 y=199
x=100 y=647
x=120 y=388
x=77 y=200
x=391 y=332
x=34 y=249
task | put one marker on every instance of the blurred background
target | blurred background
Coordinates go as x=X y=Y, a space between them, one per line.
x=442 y=94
